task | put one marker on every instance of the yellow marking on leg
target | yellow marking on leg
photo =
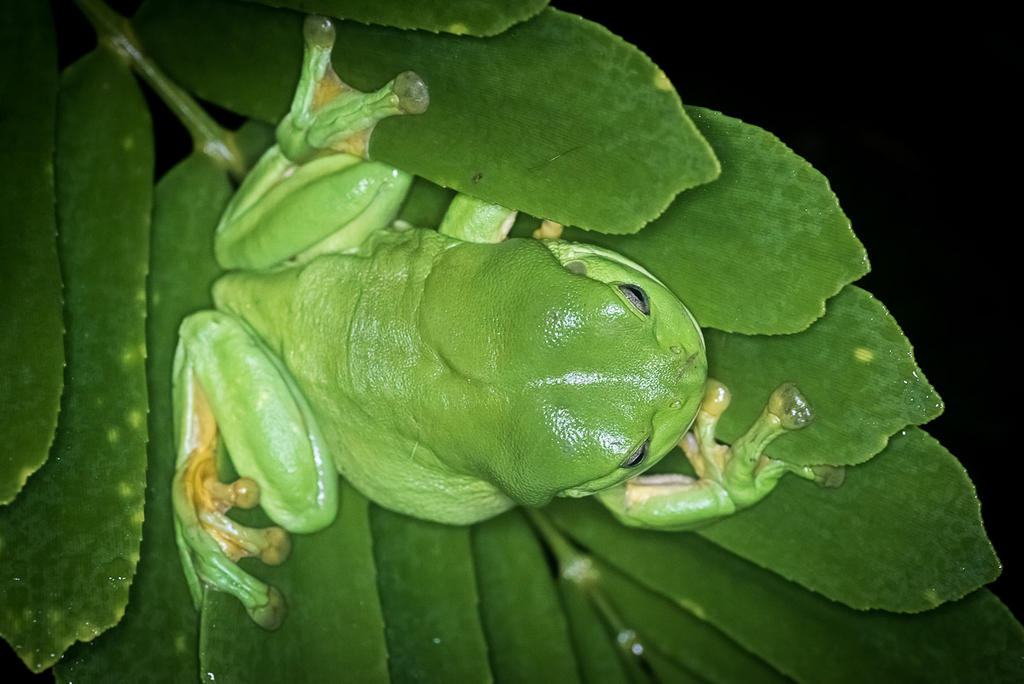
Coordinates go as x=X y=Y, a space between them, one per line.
x=211 y=498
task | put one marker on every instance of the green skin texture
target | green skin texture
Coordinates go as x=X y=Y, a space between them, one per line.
x=446 y=374
x=453 y=380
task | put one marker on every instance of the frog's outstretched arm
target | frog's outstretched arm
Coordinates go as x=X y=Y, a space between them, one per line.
x=730 y=478
x=228 y=386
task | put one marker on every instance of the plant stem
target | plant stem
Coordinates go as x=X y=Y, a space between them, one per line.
x=578 y=568
x=209 y=137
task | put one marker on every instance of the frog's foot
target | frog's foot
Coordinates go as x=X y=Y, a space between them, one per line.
x=328 y=114
x=231 y=392
x=210 y=542
x=729 y=478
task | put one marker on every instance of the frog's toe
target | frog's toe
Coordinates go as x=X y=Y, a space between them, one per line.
x=270 y=544
x=243 y=492
x=413 y=96
x=271 y=614
x=277 y=546
x=790 y=406
x=828 y=475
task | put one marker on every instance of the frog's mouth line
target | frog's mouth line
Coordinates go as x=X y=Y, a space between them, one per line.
x=605 y=481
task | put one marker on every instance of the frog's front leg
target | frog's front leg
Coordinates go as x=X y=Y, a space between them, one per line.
x=730 y=478
x=229 y=387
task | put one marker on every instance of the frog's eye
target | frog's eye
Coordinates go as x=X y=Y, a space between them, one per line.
x=637 y=297
x=638 y=456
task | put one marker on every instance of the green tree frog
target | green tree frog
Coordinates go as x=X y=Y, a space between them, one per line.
x=447 y=374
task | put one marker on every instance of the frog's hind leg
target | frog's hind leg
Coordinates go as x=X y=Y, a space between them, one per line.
x=230 y=392
x=314 y=192
x=729 y=478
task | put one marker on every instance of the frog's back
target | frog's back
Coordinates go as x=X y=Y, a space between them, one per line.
x=347 y=327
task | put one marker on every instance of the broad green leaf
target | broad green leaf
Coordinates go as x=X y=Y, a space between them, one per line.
x=461 y=17
x=863 y=543
x=334 y=623
x=855 y=367
x=680 y=636
x=31 y=347
x=517 y=119
x=527 y=633
x=759 y=250
x=803 y=634
x=429 y=595
x=159 y=632
x=69 y=548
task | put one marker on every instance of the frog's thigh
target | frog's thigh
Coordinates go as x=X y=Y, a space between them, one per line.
x=265 y=422
x=292 y=212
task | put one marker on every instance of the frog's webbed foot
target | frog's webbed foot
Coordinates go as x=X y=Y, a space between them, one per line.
x=230 y=392
x=328 y=114
x=209 y=541
x=729 y=477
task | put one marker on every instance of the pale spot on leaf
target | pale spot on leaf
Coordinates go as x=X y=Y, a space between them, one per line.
x=694 y=608
x=862 y=354
x=661 y=81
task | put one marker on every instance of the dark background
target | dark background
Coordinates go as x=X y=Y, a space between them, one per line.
x=915 y=123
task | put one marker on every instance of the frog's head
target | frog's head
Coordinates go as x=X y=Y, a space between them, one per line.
x=589 y=368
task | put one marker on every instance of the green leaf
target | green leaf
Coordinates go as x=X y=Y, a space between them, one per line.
x=863 y=543
x=461 y=17
x=854 y=366
x=599 y=659
x=31 y=347
x=803 y=634
x=517 y=119
x=428 y=591
x=679 y=635
x=70 y=546
x=187 y=205
x=527 y=633
x=334 y=623
x=759 y=250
